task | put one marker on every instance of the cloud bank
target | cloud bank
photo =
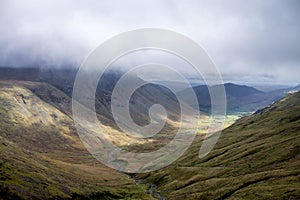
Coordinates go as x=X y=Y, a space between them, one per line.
x=249 y=40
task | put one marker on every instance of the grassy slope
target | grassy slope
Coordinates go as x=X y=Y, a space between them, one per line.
x=255 y=158
x=41 y=155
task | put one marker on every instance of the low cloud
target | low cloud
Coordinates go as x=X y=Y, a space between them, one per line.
x=251 y=40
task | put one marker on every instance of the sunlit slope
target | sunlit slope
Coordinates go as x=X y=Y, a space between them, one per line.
x=256 y=158
x=41 y=155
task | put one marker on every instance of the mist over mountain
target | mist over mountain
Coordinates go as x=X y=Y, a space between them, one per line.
x=240 y=98
x=253 y=41
x=63 y=79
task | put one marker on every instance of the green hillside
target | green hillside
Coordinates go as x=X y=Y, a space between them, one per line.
x=41 y=156
x=258 y=157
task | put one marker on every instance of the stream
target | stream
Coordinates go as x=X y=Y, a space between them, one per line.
x=152 y=188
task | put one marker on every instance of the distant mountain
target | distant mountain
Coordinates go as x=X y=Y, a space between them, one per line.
x=285 y=91
x=239 y=91
x=240 y=98
x=255 y=158
x=270 y=87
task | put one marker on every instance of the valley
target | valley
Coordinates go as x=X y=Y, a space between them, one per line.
x=150 y=100
x=256 y=156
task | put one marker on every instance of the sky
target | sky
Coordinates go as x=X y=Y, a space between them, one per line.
x=250 y=41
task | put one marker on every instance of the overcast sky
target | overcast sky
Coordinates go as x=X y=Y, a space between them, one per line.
x=249 y=40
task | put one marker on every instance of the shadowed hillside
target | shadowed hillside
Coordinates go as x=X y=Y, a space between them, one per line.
x=63 y=79
x=258 y=157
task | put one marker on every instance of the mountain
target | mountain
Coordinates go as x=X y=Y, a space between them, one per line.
x=140 y=102
x=240 y=98
x=258 y=157
x=240 y=90
x=42 y=156
x=269 y=88
x=286 y=91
